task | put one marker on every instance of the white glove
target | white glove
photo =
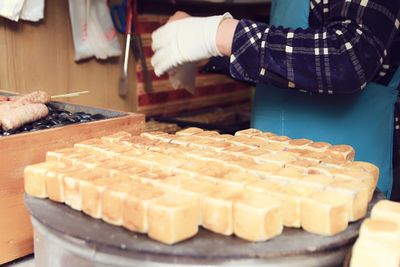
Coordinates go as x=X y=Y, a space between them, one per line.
x=185 y=40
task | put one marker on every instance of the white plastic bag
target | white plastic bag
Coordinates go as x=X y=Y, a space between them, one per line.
x=32 y=10
x=92 y=29
x=11 y=9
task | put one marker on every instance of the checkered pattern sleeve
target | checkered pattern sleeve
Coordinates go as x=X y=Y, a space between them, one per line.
x=340 y=55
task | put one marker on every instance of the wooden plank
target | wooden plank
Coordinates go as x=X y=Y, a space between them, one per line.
x=196 y=103
x=206 y=80
x=20 y=150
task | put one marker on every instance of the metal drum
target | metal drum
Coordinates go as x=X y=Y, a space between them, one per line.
x=65 y=237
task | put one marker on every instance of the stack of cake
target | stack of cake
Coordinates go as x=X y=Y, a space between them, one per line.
x=379 y=240
x=251 y=184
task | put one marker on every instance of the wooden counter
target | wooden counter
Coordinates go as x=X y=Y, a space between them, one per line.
x=20 y=150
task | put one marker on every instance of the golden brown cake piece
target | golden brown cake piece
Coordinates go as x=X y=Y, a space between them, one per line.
x=72 y=183
x=288 y=175
x=87 y=144
x=76 y=159
x=217 y=210
x=279 y=139
x=318 y=146
x=297 y=152
x=172 y=183
x=117 y=166
x=116 y=137
x=265 y=186
x=191 y=168
x=134 y=170
x=302 y=165
x=280 y=158
x=221 y=137
x=190 y=131
x=173 y=218
x=206 y=134
x=151 y=177
x=197 y=190
x=264 y=170
x=113 y=199
x=92 y=193
x=386 y=210
x=318 y=181
x=227 y=160
x=291 y=198
x=298 y=143
x=369 y=167
x=165 y=148
x=236 y=150
x=358 y=175
x=336 y=163
x=243 y=140
x=248 y=132
x=238 y=179
x=258 y=154
x=55 y=184
x=344 y=152
x=56 y=155
x=133 y=155
x=114 y=152
x=263 y=136
x=324 y=213
x=153 y=135
x=356 y=194
x=257 y=217
x=380 y=231
x=315 y=156
x=35 y=178
x=199 y=155
x=199 y=143
x=136 y=206
x=214 y=170
x=219 y=146
x=324 y=170
x=275 y=146
x=374 y=254
x=91 y=163
x=97 y=150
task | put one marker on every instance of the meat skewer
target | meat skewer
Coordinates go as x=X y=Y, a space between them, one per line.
x=3 y=98
x=34 y=97
x=19 y=115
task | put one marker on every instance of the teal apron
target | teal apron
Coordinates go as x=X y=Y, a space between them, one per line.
x=364 y=120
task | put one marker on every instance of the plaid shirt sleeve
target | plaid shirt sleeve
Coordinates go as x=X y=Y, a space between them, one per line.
x=346 y=47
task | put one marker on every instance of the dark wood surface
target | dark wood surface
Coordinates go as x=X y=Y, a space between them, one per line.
x=205 y=244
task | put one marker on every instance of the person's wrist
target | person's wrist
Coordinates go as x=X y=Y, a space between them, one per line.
x=225 y=33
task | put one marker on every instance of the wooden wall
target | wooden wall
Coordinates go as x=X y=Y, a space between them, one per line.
x=40 y=55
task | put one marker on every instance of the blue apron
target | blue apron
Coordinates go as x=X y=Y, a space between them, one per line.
x=364 y=120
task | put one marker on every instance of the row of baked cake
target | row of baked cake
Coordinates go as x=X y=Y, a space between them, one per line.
x=348 y=180
x=294 y=196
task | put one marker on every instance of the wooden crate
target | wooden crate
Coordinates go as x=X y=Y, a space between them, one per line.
x=20 y=150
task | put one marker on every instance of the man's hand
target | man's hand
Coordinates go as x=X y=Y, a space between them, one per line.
x=185 y=39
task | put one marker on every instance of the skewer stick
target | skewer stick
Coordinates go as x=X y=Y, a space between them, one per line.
x=9 y=92
x=69 y=95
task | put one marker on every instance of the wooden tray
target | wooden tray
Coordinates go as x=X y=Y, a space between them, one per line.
x=20 y=150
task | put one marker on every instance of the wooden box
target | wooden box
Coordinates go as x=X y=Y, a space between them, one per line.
x=20 y=150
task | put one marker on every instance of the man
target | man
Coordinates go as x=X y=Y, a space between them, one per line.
x=329 y=74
